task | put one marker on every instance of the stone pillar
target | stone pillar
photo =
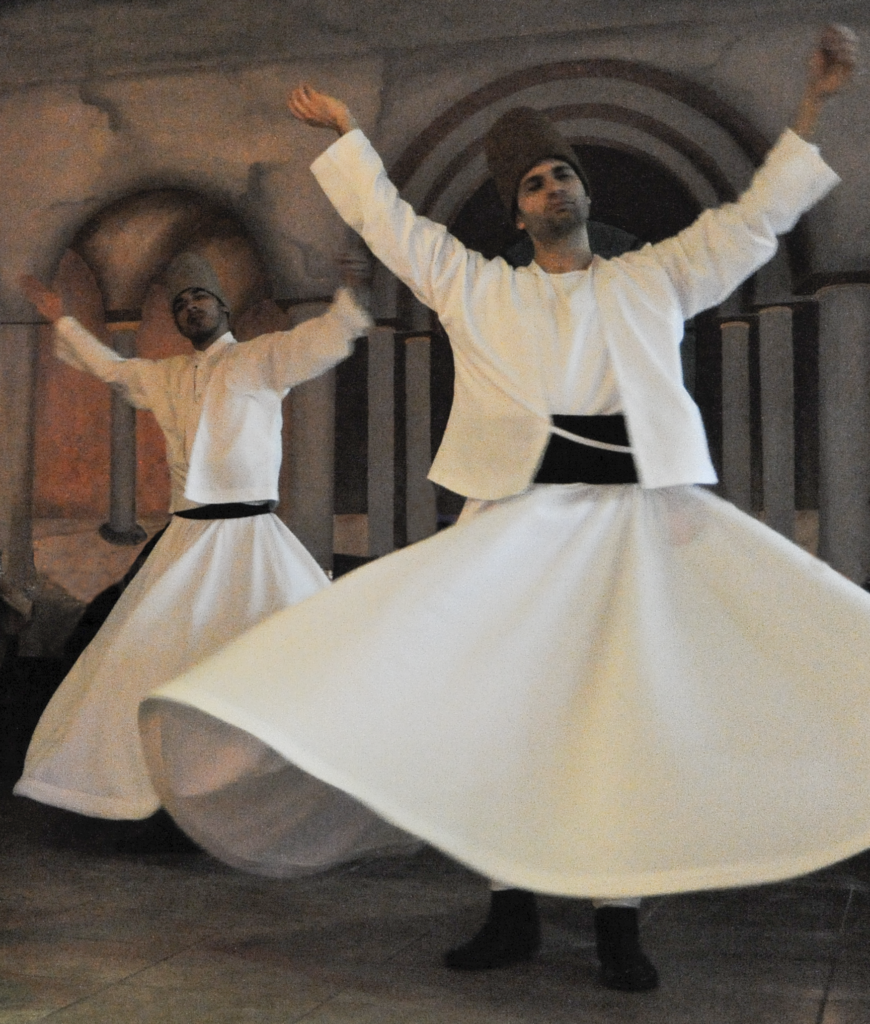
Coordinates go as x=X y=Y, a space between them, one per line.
x=422 y=515
x=776 y=356
x=736 y=449
x=844 y=428
x=381 y=441
x=18 y=348
x=307 y=482
x=122 y=527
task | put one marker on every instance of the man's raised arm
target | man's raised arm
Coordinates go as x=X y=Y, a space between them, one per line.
x=321 y=111
x=76 y=346
x=715 y=254
x=48 y=303
x=282 y=359
x=421 y=253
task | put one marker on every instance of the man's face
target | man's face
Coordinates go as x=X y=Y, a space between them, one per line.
x=199 y=316
x=551 y=201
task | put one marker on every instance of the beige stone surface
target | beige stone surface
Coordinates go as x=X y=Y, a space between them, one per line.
x=84 y=41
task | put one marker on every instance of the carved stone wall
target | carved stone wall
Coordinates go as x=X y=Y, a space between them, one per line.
x=101 y=100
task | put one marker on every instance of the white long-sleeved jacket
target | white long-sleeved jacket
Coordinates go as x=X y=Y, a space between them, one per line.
x=512 y=329
x=220 y=410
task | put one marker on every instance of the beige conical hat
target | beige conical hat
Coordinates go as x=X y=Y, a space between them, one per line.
x=190 y=270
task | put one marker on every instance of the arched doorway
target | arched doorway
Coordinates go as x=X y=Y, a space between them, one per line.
x=110 y=277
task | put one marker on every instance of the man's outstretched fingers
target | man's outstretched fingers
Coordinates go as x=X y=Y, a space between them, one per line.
x=47 y=302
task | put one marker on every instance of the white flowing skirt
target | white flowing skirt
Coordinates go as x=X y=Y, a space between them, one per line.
x=205 y=583
x=581 y=690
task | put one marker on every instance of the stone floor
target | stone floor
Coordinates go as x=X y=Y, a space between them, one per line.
x=91 y=936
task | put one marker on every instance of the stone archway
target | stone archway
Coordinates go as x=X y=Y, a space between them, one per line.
x=128 y=244
x=702 y=143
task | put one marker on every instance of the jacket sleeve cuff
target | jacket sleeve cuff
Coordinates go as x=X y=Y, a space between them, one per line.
x=793 y=178
x=352 y=315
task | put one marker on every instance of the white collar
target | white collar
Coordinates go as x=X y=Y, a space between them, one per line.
x=215 y=348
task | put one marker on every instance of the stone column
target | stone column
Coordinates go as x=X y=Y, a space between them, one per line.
x=18 y=349
x=422 y=515
x=122 y=527
x=844 y=428
x=736 y=450
x=381 y=441
x=776 y=354
x=307 y=483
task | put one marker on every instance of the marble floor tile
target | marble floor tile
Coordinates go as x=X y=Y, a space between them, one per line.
x=83 y=962
x=89 y=936
x=561 y=1008
x=24 y=997
x=851 y=976
x=143 y=1004
x=850 y=1012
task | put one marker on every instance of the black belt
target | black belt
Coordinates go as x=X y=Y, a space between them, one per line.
x=567 y=462
x=229 y=510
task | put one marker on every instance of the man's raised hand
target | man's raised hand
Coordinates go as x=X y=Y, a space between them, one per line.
x=47 y=302
x=832 y=66
x=319 y=110
x=833 y=63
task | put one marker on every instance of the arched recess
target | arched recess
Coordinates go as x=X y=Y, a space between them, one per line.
x=110 y=275
x=128 y=244
x=696 y=138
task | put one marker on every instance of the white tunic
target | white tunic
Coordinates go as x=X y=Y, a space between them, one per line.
x=220 y=410
x=587 y=690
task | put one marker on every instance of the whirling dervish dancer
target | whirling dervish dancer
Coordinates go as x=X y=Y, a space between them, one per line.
x=604 y=681
x=224 y=563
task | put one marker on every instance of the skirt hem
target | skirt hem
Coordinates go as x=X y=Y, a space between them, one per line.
x=84 y=803
x=484 y=862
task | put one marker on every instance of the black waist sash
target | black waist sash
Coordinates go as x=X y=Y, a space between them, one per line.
x=567 y=462
x=228 y=510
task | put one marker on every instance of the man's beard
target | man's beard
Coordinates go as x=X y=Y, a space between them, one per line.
x=197 y=334
x=556 y=228
x=198 y=329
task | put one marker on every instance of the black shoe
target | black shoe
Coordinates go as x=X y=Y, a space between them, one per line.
x=624 y=966
x=511 y=934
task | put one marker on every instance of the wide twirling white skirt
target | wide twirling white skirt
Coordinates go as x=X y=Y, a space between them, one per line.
x=206 y=582
x=591 y=691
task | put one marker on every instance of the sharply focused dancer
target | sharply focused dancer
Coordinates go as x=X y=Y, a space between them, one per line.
x=604 y=681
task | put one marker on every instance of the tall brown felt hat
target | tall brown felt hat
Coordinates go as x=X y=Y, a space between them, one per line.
x=519 y=139
x=190 y=270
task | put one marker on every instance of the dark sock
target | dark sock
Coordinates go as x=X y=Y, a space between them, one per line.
x=624 y=966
